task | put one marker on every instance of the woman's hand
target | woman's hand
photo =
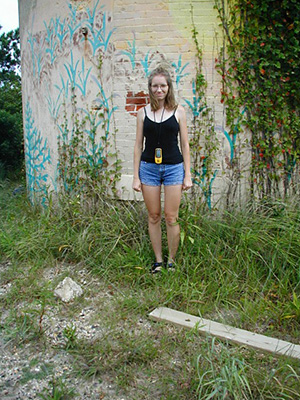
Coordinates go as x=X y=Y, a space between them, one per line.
x=187 y=183
x=136 y=185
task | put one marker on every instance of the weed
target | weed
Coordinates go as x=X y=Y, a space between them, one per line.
x=70 y=335
x=240 y=267
x=57 y=390
x=43 y=371
x=221 y=376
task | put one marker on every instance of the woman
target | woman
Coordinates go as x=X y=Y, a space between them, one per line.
x=161 y=162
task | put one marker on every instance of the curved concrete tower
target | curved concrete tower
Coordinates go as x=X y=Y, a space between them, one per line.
x=84 y=75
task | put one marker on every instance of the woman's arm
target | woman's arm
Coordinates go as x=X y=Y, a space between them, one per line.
x=138 y=147
x=185 y=147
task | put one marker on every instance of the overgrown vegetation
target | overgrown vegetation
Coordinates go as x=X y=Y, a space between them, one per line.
x=259 y=66
x=203 y=143
x=11 y=126
x=240 y=268
x=88 y=161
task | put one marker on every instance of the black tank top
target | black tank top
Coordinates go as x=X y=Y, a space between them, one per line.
x=168 y=132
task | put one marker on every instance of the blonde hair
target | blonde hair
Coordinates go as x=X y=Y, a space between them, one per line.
x=170 y=101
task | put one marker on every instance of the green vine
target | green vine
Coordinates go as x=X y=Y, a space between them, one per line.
x=204 y=144
x=259 y=66
x=88 y=161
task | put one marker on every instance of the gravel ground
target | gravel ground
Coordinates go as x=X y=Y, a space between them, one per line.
x=29 y=369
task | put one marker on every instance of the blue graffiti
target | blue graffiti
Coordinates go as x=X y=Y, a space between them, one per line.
x=60 y=31
x=73 y=74
x=232 y=140
x=199 y=180
x=51 y=41
x=36 y=47
x=99 y=37
x=76 y=75
x=195 y=107
x=92 y=14
x=73 y=25
x=54 y=105
x=231 y=143
x=131 y=53
x=104 y=103
x=37 y=155
x=64 y=87
x=93 y=151
x=31 y=41
x=291 y=163
x=179 y=68
x=146 y=65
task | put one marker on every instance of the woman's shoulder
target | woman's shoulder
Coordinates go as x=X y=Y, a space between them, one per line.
x=180 y=112
x=143 y=111
x=179 y=108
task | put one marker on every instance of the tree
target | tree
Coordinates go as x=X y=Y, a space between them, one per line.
x=11 y=129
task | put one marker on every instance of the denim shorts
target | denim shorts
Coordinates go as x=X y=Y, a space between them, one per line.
x=157 y=174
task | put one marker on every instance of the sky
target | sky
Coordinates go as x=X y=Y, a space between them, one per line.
x=9 y=18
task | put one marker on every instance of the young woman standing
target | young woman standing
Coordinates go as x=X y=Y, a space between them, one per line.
x=161 y=162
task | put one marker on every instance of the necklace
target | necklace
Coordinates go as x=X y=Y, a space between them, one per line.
x=158 y=150
x=159 y=130
x=162 y=115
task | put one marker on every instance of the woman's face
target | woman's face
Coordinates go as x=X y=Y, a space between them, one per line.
x=159 y=87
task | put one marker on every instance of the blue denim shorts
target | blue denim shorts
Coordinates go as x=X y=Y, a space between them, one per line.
x=157 y=174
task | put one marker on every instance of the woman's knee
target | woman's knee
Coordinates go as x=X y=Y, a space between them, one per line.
x=154 y=218
x=171 y=219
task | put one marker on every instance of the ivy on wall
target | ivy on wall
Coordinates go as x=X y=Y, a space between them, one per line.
x=260 y=66
x=203 y=143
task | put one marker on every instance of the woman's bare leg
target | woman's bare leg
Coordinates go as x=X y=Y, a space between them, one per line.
x=151 y=196
x=172 y=203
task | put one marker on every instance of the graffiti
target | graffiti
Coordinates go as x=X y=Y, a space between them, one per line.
x=179 y=68
x=131 y=53
x=36 y=48
x=54 y=105
x=194 y=106
x=206 y=187
x=73 y=74
x=37 y=156
x=145 y=63
x=104 y=103
x=73 y=23
x=66 y=54
x=45 y=50
x=99 y=37
x=52 y=42
x=94 y=151
x=232 y=140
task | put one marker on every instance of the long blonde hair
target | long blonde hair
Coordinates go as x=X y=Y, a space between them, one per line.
x=170 y=102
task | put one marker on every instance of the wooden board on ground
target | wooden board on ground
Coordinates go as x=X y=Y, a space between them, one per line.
x=226 y=332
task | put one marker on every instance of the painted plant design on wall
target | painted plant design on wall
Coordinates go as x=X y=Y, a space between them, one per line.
x=64 y=64
x=37 y=156
x=63 y=61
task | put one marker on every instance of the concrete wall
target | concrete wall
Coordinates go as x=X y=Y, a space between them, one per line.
x=61 y=43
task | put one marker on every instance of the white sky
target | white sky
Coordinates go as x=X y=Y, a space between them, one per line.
x=9 y=18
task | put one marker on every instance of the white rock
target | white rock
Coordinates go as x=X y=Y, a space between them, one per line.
x=67 y=290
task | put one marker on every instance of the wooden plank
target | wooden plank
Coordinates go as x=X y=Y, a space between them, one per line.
x=226 y=332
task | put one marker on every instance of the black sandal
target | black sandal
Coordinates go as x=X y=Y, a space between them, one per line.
x=170 y=267
x=156 y=268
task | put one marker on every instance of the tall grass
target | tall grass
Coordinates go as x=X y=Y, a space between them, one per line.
x=243 y=260
x=241 y=268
